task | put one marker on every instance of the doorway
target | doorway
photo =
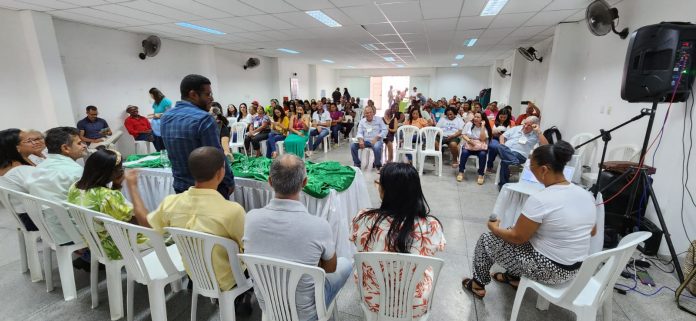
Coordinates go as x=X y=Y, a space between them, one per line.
x=379 y=90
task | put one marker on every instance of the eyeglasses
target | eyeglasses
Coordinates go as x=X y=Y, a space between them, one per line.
x=32 y=140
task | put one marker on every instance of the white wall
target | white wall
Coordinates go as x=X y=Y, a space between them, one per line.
x=237 y=85
x=325 y=80
x=31 y=73
x=500 y=87
x=286 y=69
x=583 y=95
x=535 y=74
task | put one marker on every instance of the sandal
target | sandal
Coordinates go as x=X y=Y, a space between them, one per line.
x=505 y=278
x=468 y=284
x=460 y=177
x=455 y=165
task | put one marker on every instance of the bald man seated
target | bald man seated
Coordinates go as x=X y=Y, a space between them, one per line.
x=201 y=208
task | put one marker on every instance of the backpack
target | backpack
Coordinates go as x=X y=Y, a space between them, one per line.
x=549 y=133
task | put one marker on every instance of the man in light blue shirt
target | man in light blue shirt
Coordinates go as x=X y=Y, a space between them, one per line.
x=54 y=176
x=371 y=131
x=516 y=144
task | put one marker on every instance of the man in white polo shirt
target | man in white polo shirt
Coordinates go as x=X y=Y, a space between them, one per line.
x=321 y=120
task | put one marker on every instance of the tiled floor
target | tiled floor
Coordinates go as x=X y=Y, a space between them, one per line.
x=461 y=207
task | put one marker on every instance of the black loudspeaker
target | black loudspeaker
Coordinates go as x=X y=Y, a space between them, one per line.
x=658 y=55
x=617 y=221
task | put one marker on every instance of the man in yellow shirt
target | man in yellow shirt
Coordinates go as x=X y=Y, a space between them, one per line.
x=201 y=208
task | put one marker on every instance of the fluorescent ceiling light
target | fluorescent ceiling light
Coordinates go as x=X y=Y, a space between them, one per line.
x=290 y=51
x=459 y=57
x=400 y=66
x=199 y=28
x=455 y=65
x=391 y=59
x=493 y=7
x=327 y=61
x=471 y=42
x=323 y=18
x=369 y=46
x=351 y=67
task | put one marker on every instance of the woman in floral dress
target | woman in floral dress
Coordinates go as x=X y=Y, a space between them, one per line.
x=401 y=224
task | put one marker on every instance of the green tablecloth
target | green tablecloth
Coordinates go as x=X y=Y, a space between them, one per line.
x=322 y=177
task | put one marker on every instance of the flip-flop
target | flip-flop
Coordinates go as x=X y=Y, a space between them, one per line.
x=506 y=279
x=468 y=285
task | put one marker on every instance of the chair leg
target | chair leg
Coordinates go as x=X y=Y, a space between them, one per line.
x=94 y=281
x=608 y=307
x=24 y=265
x=67 y=275
x=586 y=314
x=227 y=312
x=48 y=268
x=114 y=288
x=158 y=303
x=33 y=261
x=439 y=171
x=518 y=301
x=194 y=304
x=542 y=304
x=129 y=299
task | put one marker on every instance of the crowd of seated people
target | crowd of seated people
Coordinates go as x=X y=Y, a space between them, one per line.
x=196 y=133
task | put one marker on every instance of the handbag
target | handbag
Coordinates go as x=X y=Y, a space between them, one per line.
x=476 y=145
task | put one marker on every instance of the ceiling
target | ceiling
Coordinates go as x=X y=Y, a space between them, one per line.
x=417 y=33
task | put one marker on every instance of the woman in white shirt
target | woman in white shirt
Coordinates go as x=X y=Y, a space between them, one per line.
x=15 y=169
x=551 y=237
x=476 y=135
x=244 y=114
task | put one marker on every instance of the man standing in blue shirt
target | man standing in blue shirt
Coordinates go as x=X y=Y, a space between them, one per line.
x=189 y=126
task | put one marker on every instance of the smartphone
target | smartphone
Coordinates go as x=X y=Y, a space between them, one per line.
x=645 y=278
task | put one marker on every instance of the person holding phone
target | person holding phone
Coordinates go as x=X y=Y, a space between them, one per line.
x=92 y=128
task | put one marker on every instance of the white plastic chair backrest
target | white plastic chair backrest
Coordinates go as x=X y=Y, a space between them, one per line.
x=405 y=135
x=429 y=134
x=35 y=207
x=397 y=276
x=592 y=271
x=240 y=129
x=586 y=152
x=624 y=153
x=277 y=281
x=5 y=201
x=125 y=236
x=84 y=219
x=358 y=115
x=196 y=250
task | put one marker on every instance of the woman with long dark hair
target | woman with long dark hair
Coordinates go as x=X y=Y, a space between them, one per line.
x=503 y=121
x=476 y=135
x=298 y=133
x=401 y=224
x=161 y=105
x=15 y=169
x=279 y=129
x=99 y=189
x=244 y=114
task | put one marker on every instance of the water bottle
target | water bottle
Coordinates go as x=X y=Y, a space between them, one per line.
x=164 y=159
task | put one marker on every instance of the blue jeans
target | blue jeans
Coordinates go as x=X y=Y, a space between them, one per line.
x=271 y=142
x=492 y=152
x=334 y=281
x=315 y=141
x=376 y=149
x=508 y=157
x=335 y=129
x=481 y=154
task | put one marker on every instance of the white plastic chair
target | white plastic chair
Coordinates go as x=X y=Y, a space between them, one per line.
x=429 y=134
x=84 y=219
x=324 y=141
x=277 y=281
x=155 y=269
x=28 y=241
x=141 y=147
x=280 y=147
x=364 y=154
x=592 y=286
x=404 y=143
x=35 y=207
x=619 y=153
x=196 y=249
x=240 y=129
x=397 y=276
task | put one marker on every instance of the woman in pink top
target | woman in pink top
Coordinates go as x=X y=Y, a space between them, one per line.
x=401 y=224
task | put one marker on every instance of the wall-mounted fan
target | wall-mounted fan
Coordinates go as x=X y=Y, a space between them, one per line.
x=600 y=19
x=503 y=72
x=151 y=46
x=251 y=63
x=529 y=54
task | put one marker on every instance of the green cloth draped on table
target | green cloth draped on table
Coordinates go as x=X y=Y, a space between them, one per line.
x=321 y=177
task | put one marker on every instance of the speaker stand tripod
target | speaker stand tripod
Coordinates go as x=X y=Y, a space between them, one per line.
x=643 y=179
